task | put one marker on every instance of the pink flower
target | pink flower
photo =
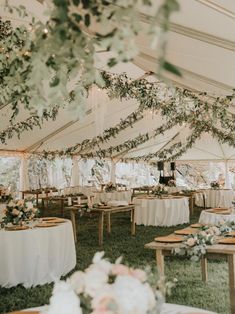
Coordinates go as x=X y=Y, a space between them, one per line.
x=15 y=212
x=20 y=202
x=104 y=301
x=104 y=305
x=120 y=270
x=138 y=274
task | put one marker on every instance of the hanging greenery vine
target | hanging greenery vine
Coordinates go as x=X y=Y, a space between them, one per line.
x=55 y=61
x=199 y=111
x=28 y=124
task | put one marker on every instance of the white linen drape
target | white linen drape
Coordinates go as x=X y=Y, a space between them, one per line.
x=75 y=173
x=113 y=172
x=161 y=212
x=36 y=256
x=50 y=175
x=208 y=218
x=228 y=184
x=24 y=177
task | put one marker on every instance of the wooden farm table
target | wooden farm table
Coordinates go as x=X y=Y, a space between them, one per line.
x=101 y=212
x=63 y=200
x=37 y=193
x=213 y=251
x=139 y=190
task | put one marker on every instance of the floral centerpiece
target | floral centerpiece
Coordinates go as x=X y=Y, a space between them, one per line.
x=195 y=244
x=18 y=211
x=110 y=187
x=171 y=182
x=159 y=190
x=107 y=288
x=215 y=185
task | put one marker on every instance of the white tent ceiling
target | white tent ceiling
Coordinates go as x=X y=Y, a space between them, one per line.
x=202 y=45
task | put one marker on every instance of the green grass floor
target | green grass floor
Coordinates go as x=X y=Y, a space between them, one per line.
x=190 y=290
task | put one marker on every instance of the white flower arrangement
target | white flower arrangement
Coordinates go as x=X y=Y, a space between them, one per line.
x=159 y=190
x=110 y=187
x=215 y=185
x=18 y=211
x=106 y=288
x=171 y=183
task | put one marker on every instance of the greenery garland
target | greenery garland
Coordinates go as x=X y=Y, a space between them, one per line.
x=133 y=143
x=27 y=124
x=198 y=110
x=195 y=245
x=22 y=53
x=55 y=61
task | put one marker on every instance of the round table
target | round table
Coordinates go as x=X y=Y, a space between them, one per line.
x=36 y=256
x=112 y=196
x=208 y=218
x=215 y=198
x=167 y=308
x=86 y=190
x=161 y=212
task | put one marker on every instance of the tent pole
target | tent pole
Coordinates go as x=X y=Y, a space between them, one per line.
x=75 y=173
x=227 y=177
x=24 y=177
x=113 y=172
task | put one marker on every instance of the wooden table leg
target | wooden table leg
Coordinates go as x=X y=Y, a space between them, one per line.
x=43 y=205
x=191 y=205
x=133 y=221
x=101 y=228
x=108 y=223
x=160 y=262
x=231 y=271
x=73 y=220
x=62 y=208
x=47 y=200
x=204 y=201
x=204 y=269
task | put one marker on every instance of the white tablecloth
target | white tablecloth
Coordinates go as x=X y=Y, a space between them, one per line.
x=208 y=218
x=167 y=308
x=215 y=198
x=2 y=207
x=181 y=309
x=174 y=189
x=161 y=212
x=112 y=196
x=86 y=190
x=36 y=256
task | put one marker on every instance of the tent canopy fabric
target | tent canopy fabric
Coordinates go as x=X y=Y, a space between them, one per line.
x=203 y=49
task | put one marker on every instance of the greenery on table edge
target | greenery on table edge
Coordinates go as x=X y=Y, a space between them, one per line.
x=194 y=245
